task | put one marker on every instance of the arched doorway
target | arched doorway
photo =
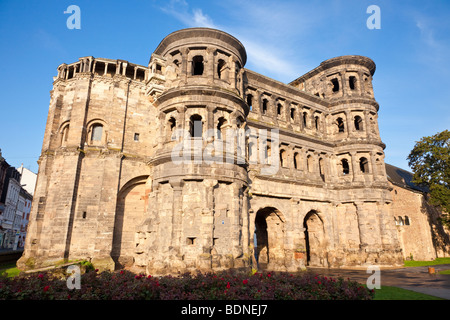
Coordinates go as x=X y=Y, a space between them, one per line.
x=315 y=240
x=130 y=212
x=269 y=238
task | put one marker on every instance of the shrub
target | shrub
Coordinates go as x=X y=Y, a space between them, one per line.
x=229 y=285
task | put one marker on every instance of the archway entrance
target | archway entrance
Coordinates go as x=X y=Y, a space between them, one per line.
x=315 y=240
x=130 y=212
x=269 y=238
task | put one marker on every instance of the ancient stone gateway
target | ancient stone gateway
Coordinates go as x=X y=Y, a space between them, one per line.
x=315 y=243
x=181 y=165
x=269 y=232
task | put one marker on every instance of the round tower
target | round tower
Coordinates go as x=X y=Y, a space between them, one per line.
x=196 y=84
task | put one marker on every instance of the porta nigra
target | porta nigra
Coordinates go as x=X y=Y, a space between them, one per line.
x=304 y=184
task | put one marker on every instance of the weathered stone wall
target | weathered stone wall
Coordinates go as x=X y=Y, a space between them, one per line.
x=109 y=189
x=422 y=236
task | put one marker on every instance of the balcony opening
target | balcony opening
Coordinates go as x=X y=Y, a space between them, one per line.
x=335 y=83
x=364 y=165
x=292 y=114
x=358 y=123
x=250 y=101
x=279 y=109
x=197 y=66
x=196 y=126
x=296 y=160
x=340 y=124
x=221 y=68
x=352 y=82
x=264 y=106
x=345 y=166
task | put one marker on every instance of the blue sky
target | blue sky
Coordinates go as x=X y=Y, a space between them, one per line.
x=284 y=39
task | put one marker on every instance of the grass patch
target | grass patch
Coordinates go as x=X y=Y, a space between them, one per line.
x=444 y=272
x=427 y=263
x=394 y=293
x=9 y=269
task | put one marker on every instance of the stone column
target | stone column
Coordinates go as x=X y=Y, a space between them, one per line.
x=355 y=167
x=184 y=65
x=177 y=211
x=362 y=90
x=236 y=220
x=257 y=105
x=367 y=123
x=245 y=227
x=365 y=233
x=350 y=125
x=343 y=83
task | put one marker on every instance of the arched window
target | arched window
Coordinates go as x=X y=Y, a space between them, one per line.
x=305 y=119
x=268 y=153
x=197 y=66
x=250 y=101
x=221 y=69
x=358 y=123
x=196 y=126
x=296 y=160
x=322 y=169
x=364 y=165
x=279 y=109
x=340 y=125
x=264 y=106
x=316 y=122
x=172 y=126
x=309 y=163
x=64 y=134
x=345 y=166
x=221 y=126
x=96 y=132
x=400 y=221
x=293 y=114
x=283 y=161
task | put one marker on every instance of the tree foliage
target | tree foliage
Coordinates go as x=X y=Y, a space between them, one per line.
x=430 y=162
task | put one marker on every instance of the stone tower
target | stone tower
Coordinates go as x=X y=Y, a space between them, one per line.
x=196 y=163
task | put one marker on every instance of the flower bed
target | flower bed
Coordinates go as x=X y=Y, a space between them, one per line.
x=125 y=285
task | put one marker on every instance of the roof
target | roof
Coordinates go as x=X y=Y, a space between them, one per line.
x=402 y=178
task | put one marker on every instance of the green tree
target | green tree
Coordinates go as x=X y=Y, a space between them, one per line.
x=430 y=162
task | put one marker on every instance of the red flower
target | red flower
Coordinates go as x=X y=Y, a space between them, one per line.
x=121 y=271
x=245 y=281
x=319 y=282
x=40 y=276
x=228 y=285
x=46 y=288
x=149 y=276
x=268 y=275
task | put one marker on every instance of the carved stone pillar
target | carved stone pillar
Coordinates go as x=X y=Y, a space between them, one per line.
x=177 y=205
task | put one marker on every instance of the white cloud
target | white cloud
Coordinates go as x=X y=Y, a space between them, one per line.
x=265 y=31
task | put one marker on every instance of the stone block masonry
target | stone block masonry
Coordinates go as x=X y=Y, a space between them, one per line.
x=109 y=190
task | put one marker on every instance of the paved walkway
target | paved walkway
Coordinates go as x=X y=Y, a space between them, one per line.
x=411 y=278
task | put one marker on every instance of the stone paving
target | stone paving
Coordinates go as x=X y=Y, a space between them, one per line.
x=412 y=278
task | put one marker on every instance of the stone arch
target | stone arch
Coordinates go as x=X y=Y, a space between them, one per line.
x=315 y=244
x=269 y=236
x=130 y=213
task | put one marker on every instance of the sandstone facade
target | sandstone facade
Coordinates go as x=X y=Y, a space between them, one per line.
x=312 y=192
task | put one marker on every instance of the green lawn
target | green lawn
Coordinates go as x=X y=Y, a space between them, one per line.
x=427 y=263
x=10 y=269
x=394 y=293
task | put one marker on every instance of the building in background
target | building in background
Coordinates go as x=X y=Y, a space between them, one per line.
x=28 y=179
x=10 y=197
x=16 y=195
